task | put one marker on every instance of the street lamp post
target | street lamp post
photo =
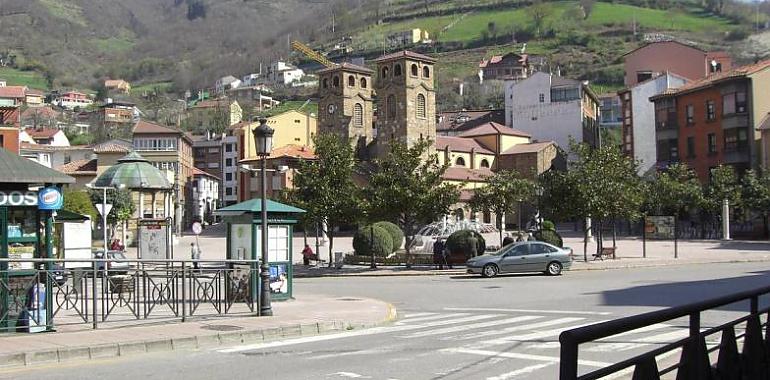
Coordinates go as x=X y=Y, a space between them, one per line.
x=263 y=139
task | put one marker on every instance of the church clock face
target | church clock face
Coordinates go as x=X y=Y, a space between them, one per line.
x=331 y=108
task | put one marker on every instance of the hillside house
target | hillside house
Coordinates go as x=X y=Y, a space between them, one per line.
x=408 y=38
x=284 y=74
x=225 y=83
x=34 y=98
x=656 y=58
x=13 y=95
x=45 y=136
x=511 y=66
x=72 y=99
x=118 y=85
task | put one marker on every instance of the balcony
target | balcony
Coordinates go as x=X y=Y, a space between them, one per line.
x=737 y=156
x=735 y=121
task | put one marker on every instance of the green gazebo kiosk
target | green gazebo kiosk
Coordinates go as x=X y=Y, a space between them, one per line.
x=244 y=240
x=30 y=194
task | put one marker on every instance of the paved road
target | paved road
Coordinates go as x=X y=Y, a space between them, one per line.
x=454 y=328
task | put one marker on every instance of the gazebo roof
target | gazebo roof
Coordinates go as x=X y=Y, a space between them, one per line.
x=255 y=206
x=135 y=172
x=17 y=169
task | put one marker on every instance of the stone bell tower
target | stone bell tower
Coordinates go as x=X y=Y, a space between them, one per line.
x=345 y=105
x=406 y=99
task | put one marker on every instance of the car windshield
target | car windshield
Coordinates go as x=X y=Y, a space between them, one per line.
x=506 y=249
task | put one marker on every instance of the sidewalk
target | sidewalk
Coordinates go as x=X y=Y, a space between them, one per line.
x=300 y=317
x=629 y=254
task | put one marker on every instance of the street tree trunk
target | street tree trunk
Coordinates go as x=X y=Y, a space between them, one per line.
x=330 y=234
x=585 y=239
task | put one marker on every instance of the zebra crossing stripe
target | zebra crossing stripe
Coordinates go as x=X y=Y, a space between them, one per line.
x=415 y=315
x=515 y=355
x=520 y=371
x=641 y=342
x=429 y=318
x=474 y=326
x=530 y=326
x=527 y=337
x=497 y=310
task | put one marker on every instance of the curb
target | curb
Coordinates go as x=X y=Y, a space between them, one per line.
x=104 y=351
x=572 y=269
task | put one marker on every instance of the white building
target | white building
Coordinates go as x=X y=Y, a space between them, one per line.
x=638 y=136
x=225 y=83
x=72 y=99
x=205 y=196
x=552 y=108
x=282 y=73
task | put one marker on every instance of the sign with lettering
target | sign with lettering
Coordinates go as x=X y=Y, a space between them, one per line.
x=18 y=198
x=50 y=198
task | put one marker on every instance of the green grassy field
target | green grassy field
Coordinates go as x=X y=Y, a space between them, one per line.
x=23 y=78
x=65 y=10
x=113 y=44
x=473 y=25
x=150 y=87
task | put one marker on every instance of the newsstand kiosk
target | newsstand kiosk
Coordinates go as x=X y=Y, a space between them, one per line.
x=244 y=239
x=30 y=194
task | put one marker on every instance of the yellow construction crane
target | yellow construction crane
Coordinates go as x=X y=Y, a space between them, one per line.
x=312 y=54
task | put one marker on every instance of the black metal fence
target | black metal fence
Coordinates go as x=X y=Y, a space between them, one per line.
x=122 y=291
x=753 y=362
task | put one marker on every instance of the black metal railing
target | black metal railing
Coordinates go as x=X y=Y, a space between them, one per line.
x=96 y=291
x=695 y=363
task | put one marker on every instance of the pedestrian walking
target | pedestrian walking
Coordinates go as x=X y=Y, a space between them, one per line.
x=195 y=255
x=507 y=239
x=447 y=258
x=438 y=253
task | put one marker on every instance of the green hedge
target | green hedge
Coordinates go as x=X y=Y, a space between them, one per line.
x=363 y=245
x=460 y=243
x=396 y=235
x=548 y=225
x=549 y=236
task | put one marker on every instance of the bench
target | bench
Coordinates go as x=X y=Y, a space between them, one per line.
x=605 y=252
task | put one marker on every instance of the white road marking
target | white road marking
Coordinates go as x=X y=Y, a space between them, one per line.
x=526 y=337
x=429 y=318
x=515 y=355
x=646 y=341
x=474 y=326
x=528 y=311
x=637 y=331
x=521 y=371
x=507 y=330
x=351 y=375
x=414 y=315
x=349 y=334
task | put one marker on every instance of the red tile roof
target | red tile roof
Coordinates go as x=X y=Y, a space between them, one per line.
x=528 y=148
x=152 y=128
x=293 y=151
x=456 y=173
x=197 y=171
x=664 y=42
x=45 y=133
x=737 y=72
x=113 y=146
x=460 y=144
x=32 y=91
x=79 y=167
x=13 y=92
x=405 y=54
x=493 y=128
x=347 y=67
x=765 y=124
x=46 y=112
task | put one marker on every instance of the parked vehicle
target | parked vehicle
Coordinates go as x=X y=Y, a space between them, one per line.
x=530 y=256
x=113 y=267
x=59 y=273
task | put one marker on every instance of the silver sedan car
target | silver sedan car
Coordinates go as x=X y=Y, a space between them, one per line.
x=530 y=256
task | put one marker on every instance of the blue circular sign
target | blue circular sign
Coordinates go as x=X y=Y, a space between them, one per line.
x=50 y=198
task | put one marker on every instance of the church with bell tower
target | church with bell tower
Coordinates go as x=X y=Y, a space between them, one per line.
x=345 y=105
x=406 y=99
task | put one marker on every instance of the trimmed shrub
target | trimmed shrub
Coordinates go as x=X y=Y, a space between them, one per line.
x=548 y=225
x=459 y=243
x=382 y=244
x=549 y=236
x=396 y=235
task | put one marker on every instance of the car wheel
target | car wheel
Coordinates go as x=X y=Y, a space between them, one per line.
x=489 y=270
x=554 y=268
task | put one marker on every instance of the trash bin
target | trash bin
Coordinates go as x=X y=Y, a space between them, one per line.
x=339 y=257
